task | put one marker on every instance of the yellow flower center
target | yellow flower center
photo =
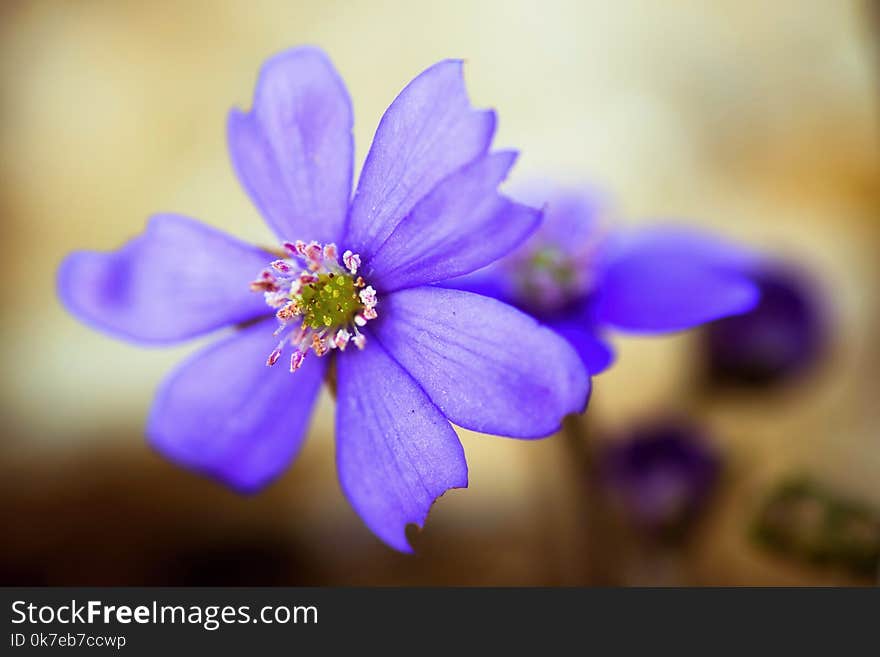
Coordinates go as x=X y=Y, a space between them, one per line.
x=330 y=302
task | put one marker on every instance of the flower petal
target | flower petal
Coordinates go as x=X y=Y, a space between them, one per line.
x=461 y=225
x=596 y=354
x=396 y=453
x=673 y=280
x=178 y=279
x=429 y=131
x=681 y=242
x=225 y=414
x=495 y=280
x=487 y=366
x=575 y=218
x=294 y=151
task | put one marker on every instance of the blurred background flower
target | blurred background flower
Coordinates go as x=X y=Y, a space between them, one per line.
x=758 y=123
x=582 y=275
x=660 y=476
x=780 y=340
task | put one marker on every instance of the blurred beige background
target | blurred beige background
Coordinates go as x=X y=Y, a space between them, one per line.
x=756 y=119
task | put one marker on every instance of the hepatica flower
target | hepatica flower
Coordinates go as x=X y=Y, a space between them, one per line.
x=778 y=341
x=583 y=277
x=660 y=475
x=352 y=284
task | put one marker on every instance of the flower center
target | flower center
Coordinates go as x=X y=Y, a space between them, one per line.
x=549 y=280
x=330 y=301
x=319 y=303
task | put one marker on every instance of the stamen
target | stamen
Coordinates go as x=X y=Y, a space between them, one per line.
x=265 y=282
x=287 y=313
x=263 y=286
x=319 y=303
x=352 y=261
x=368 y=296
x=318 y=345
x=341 y=339
x=296 y=360
x=275 y=355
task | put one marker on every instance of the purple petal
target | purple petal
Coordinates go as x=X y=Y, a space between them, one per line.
x=494 y=280
x=396 y=453
x=679 y=242
x=294 y=151
x=225 y=414
x=178 y=279
x=595 y=353
x=428 y=132
x=461 y=225
x=487 y=366
x=574 y=217
x=673 y=280
x=572 y=232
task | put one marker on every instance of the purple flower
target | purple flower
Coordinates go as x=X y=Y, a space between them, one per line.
x=581 y=278
x=660 y=475
x=777 y=341
x=409 y=356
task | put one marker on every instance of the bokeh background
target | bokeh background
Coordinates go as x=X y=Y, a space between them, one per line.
x=757 y=120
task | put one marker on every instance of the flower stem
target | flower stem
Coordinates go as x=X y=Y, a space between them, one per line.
x=599 y=565
x=330 y=378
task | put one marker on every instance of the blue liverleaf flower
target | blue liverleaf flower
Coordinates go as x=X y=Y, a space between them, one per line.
x=352 y=283
x=660 y=475
x=583 y=277
x=786 y=335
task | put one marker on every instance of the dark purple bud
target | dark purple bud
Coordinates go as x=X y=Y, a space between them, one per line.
x=779 y=340
x=660 y=475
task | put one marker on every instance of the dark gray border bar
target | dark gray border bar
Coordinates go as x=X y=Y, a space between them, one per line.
x=547 y=621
